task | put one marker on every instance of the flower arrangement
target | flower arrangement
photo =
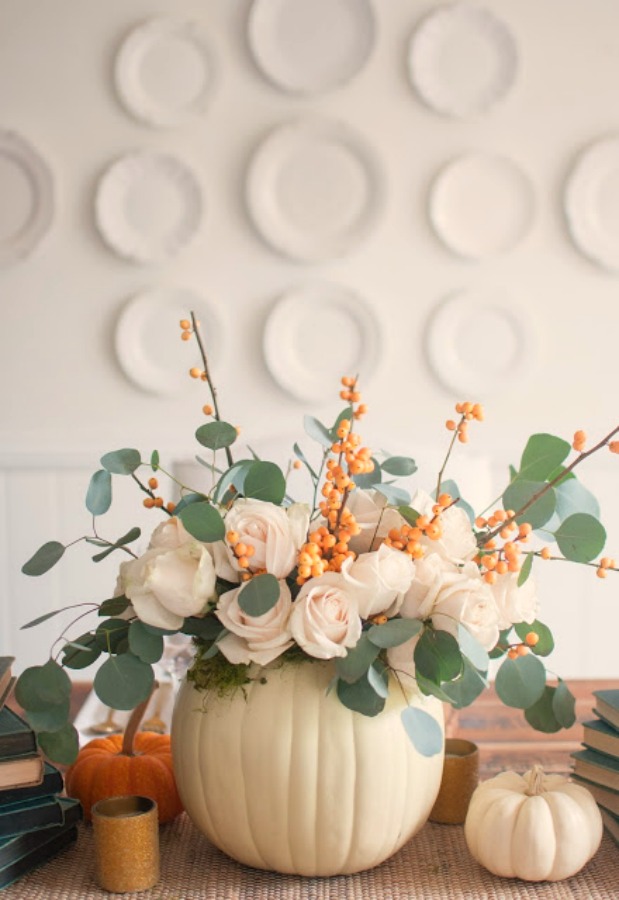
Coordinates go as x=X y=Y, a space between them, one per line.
x=384 y=584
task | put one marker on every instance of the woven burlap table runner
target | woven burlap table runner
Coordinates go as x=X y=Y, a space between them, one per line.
x=434 y=865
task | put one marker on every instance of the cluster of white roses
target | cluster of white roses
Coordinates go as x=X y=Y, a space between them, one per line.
x=176 y=577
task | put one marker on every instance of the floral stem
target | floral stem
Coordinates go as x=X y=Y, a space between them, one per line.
x=134 y=723
x=482 y=539
x=211 y=386
x=593 y=565
x=445 y=461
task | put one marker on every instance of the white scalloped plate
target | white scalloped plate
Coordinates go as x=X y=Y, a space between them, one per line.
x=148 y=206
x=27 y=192
x=481 y=341
x=481 y=205
x=314 y=189
x=148 y=341
x=592 y=202
x=310 y=46
x=315 y=334
x=462 y=60
x=164 y=72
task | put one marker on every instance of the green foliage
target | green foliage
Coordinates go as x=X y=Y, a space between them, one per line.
x=545 y=645
x=121 y=462
x=580 y=537
x=423 y=730
x=541 y=714
x=265 y=481
x=233 y=477
x=40 y=687
x=400 y=466
x=541 y=457
x=132 y=535
x=520 y=682
x=467 y=687
x=60 y=746
x=114 y=606
x=317 y=431
x=99 y=493
x=521 y=491
x=203 y=521
x=450 y=487
x=395 y=496
x=355 y=664
x=144 y=643
x=437 y=656
x=259 y=595
x=394 y=632
x=370 y=479
x=216 y=435
x=123 y=681
x=43 y=560
x=82 y=652
x=472 y=649
x=112 y=635
x=360 y=696
x=525 y=570
x=409 y=514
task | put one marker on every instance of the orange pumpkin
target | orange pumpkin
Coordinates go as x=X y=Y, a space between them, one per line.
x=138 y=764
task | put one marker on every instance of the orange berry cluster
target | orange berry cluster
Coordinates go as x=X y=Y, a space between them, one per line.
x=579 y=441
x=500 y=560
x=407 y=538
x=614 y=446
x=153 y=502
x=352 y=395
x=467 y=412
x=242 y=551
x=531 y=639
x=607 y=562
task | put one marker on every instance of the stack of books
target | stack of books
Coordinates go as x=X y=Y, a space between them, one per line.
x=36 y=822
x=596 y=766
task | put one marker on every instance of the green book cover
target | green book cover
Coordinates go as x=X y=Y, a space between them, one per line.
x=55 y=842
x=53 y=783
x=6 y=663
x=15 y=847
x=597 y=767
x=29 y=815
x=599 y=736
x=16 y=737
x=607 y=705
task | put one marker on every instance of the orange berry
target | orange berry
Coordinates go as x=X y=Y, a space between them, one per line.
x=243 y=562
x=170 y=506
x=501 y=567
x=159 y=502
x=601 y=573
x=512 y=653
x=450 y=425
x=480 y=522
x=463 y=437
x=195 y=372
x=153 y=483
x=531 y=639
x=614 y=446
x=347 y=381
x=605 y=562
x=203 y=376
x=545 y=553
x=525 y=529
x=232 y=537
x=296 y=464
x=185 y=324
x=185 y=335
x=148 y=502
x=445 y=500
x=522 y=650
x=207 y=409
x=490 y=577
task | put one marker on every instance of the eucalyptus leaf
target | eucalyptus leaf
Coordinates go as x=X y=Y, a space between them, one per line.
x=259 y=595
x=472 y=649
x=114 y=606
x=437 y=656
x=123 y=681
x=378 y=677
x=265 y=481
x=572 y=497
x=111 y=633
x=203 y=522
x=357 y=661
x=233 y=477
x=154 y=460
x=207 y=628
x=521 y=491
x=564 y=705
x=394 y=632
x=52 y=718
x=541 y=456
x=520 y=682
x=541 y=714
x=61 y=746
x=425 y=733
x=545 y=644
x=41 y=686
x=216 y=435
x=360 y=696
x=525 y=570
x=370 y=479
x=400 y=466
x=144 y=644
x=188 y=500
x=580 y=537
x=396 y=496
x=317 y=431
x=44 y=617
x=409 y=514
x=82 y=652
x=44 y=559
x=99 y=493
x=121 y=462
x=466 y=688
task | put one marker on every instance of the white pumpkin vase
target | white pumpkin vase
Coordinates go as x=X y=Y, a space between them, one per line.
x=282 y=776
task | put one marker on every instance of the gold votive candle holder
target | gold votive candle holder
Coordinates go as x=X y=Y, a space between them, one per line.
x=126 y=831
x=460 y=778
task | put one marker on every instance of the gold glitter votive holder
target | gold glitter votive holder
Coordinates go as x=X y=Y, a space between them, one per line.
x=460 y=778
x=126 y=831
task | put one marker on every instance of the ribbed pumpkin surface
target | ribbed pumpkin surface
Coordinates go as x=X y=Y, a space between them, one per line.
x=101 y=771
x=284 y=777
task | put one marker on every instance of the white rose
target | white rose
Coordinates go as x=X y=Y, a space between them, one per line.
x=457 y=543
x=515 y=604
x=170 y=535
x=276 y=534
x=325 y=619
x=379 y=580
x=259 y=639
x=373 y=517
x=166 y=585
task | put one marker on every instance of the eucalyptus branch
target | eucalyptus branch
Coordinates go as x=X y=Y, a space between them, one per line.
x=593 y=565
x=482 y=539
x=149 y=492
x=107 y=543
x=211 y=386
x=72 y=623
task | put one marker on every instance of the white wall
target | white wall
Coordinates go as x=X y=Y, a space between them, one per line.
x=63 y=397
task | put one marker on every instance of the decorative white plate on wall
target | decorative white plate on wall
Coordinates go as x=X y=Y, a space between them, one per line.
x=317 y=333
x=481 y=205
x=462 y=60
x=148 y=206
x=314 y=189
x=27 y=197
x=592 y=202
x=148 y=341
x=481 y=341
x=310 y=46
x=164 y=72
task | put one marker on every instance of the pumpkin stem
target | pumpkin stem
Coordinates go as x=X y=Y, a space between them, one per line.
x=134 y=723
x=534 y=781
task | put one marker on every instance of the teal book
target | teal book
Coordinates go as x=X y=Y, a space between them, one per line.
x=6 y=674
x=603 y=796
x=25 y=852
x=16 y=737
x=53 y=783
x=597 y=767
x=597 y=735
x=607 y=706
x=611 y=823
x=30 y=815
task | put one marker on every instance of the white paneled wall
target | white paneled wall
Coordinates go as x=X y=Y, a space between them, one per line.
x=65 y=399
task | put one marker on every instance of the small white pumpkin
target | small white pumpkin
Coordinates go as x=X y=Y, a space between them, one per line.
x=534 y=826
